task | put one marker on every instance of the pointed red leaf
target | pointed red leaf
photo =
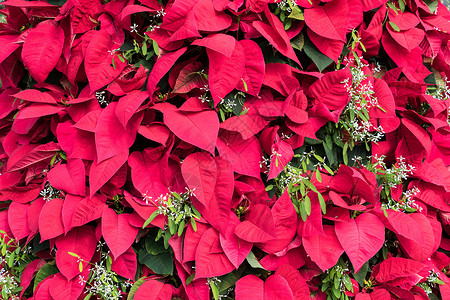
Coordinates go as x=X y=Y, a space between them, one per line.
x=225 y=72
x=403 y=224
x=250 y=287
x=361 y=238
x=42 y=49
x=208 y=260
x=69 y=177
x=408 y=39
x=32 y=95
x=296 y=281
x=126 y=264
x=276 y=287
x=197 y=128
x=234 y=148
x=128 y=105
x=154 y=290
x=236 y=249
x=285 y=218
x=208 y=19
x=161 y=67
x=98 y=61
x=62 y=289
x=330 y=20
x=254 y=68
x=100 y=173
x=219 y=42
x=259 y=226
x=323 y=250
x=18 y=220
x=111 y=138
x=50 y=219
x=190 y=77
x=420 y=252
x=396 y=267
x=200 y=174
x=81 y=241
x=117 y=231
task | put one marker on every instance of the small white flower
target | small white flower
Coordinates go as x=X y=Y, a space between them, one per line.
x=134 y=28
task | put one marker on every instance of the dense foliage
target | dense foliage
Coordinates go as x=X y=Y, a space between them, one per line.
x=224 y=149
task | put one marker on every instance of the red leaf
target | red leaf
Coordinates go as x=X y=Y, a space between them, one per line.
x=247 y=125
x=147 y=172
x=100 y=173
x=404 y=20
x=225 y=72
x=9 y=46
x=210 y=260
x=50 y=219
x=331 y=90
x=81 y=241
x=197 y=128
x=420 y=252
x=323 y=250
x=32 y=95
x=208 y=19
x=330 y=20
x=161 y=67
x=98 y=61
x=259 y=226
x=296 y=281
x=232 y=147
x=404 y=225
x=285 y=218
x=18 y=220
x=329 y=47
x=276 y=287
x=254 y=70
x=219 y=42
x=154 y=290
x=111 y=138
x=396 y=267
x=62 y=289
x=69 y=177
x=283 y=156
x=190 y=77
x=128 y=105
x=276 y=35
x=200 y=174
x=236 y=249
x=119 y=235
x=38 y=110
x=408 y=39
x=361 y=238
x=249 y=287
x=42 y=49
x=87 y=210
x=126 y=264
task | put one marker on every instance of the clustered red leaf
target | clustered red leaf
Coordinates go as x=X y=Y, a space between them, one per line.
x=112 y=111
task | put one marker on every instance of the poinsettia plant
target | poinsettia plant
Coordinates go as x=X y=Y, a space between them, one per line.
x=224 y=149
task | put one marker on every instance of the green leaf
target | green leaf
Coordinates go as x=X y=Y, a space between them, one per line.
x=135 y=287
x=253 y=262
x=190 y=278
x=329 y=142
x=298 y=42
x=88 y=296
x=151 y=218
x=156 y=48
x=227 y=281
x=214 y=290
x=44 y=272
x=160 y=263
x=80 y=266
x=394 y=26
x=318 y=176
x=181 y=227
x=322 y=61
x=323 y=205
x=296 y=14
x=172 y=227
x=144 y=48
x=310 y=185
x=73 y=254
x=308 y=206
x=347 y=283
x=361 y=275
x=344 y=153
x=193 y=224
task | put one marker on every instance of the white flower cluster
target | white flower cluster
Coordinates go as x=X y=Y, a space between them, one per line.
x=399 y=172
x=9 y=285
x=356 y=113
x=49 y=192
x=432 y=281
x=103 y=282
x=285 y=6
x=173 y=205
x=442 y=91
x=101 y=98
